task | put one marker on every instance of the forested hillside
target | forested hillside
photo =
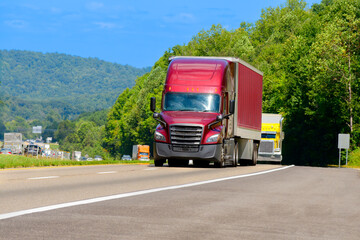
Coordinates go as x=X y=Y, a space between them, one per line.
x=66 y=83
x=44 y=89
x=310 y=59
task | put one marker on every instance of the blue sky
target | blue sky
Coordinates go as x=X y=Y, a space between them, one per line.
x=127 y=32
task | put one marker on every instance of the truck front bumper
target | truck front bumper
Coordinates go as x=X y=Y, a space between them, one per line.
x=211 y=152
x=269 y=157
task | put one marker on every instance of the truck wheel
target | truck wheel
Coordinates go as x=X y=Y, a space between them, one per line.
x=171 y=162
x=235 y=155
x=221 y=163
x=159 y=163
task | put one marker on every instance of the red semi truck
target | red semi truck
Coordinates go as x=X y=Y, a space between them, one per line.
x=211 y=112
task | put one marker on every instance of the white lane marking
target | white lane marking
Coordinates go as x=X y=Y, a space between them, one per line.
x=39 y=178
x=150 y=169
x=131 y=194
x=107 y=172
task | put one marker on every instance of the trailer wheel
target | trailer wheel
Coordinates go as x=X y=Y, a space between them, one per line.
x=254 y=155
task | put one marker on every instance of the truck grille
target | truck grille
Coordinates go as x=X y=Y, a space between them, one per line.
x=266 y=147
x=185 y=138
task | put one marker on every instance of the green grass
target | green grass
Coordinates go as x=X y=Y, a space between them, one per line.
x=354 y=158
x=15 y=161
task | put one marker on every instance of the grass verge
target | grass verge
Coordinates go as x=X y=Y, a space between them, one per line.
x=354 y=158
x=15 y=161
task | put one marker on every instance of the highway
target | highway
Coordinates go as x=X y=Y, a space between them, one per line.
x=147 y=202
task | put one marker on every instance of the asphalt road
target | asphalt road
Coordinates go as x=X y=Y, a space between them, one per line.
x=291 y=203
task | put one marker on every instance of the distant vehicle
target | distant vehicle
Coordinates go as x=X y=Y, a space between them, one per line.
x=77 y=155
x=5 y=151
x=126 y=157
x=90 y=159
x=271 y=138
x=83 y=158
x=14 y=142
x=32 y=149
x=98 y=158
x=141 y=152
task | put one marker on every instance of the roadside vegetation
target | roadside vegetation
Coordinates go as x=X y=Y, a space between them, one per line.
x=354 y=158
x=15 y=161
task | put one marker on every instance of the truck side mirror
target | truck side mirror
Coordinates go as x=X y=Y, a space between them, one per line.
x=232 y=107
x=153 y=104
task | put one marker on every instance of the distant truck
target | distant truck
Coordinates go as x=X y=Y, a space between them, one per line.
x=271 y=138
x=141 y=152
x=210 y=112
x=76 y=155
x=14 y=142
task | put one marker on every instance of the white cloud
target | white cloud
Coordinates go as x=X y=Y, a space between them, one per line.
x=16 y=23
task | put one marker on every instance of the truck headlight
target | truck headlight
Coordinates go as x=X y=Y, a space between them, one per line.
x=213 y=138
x=159 y=137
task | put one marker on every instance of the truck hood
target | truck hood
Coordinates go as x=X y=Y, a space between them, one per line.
x=201 y=118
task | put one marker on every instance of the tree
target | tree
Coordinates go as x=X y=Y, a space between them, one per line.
x=336 y=53
x=65 y=129
x=19 y=125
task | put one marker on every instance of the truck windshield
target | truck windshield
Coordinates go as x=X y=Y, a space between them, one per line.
x=268 y=135
x=196 y=102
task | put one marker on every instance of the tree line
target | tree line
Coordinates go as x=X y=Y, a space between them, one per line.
x=310 y=59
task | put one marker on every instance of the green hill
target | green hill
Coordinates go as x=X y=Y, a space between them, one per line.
x=34 y=84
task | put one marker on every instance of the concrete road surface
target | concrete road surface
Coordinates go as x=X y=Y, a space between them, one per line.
x=141 y=202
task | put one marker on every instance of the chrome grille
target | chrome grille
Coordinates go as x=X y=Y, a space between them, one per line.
x=185 y=138
x=266 y=147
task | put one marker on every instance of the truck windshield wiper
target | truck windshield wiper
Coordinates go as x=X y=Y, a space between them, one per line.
x=184 y=110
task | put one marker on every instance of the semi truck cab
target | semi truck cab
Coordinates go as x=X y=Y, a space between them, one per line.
x=197 y=113
x=271 y=138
